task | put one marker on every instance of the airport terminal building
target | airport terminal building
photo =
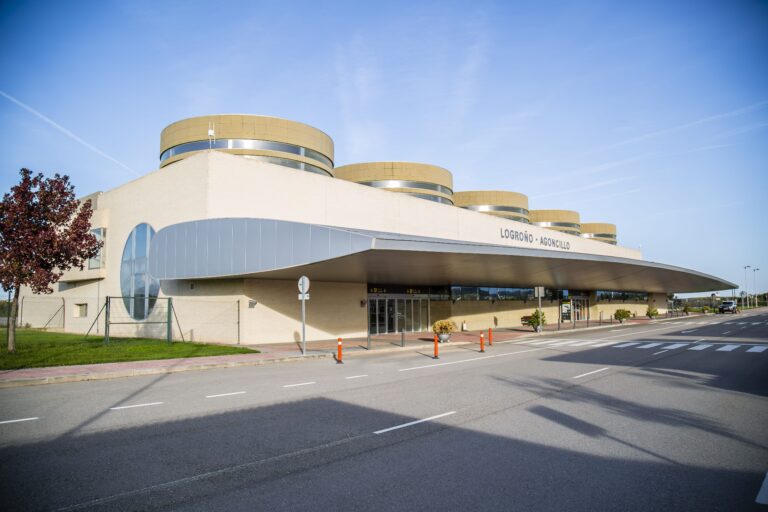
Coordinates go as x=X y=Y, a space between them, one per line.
x=242 y=206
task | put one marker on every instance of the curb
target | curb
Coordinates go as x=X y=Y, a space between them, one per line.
x=137 y=372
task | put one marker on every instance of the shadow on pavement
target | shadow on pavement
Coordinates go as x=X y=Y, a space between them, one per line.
x=321 y=454
x=735 y=371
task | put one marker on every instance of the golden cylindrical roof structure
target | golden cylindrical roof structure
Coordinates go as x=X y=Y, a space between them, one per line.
x=600 y=231
x=510 y=205
x=419 y=180
x=565 y=221
x=270 y=139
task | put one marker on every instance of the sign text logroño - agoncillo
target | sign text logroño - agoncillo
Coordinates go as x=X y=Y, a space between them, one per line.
x=544 y=241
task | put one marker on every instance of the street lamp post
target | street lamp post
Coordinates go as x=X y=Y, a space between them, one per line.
x=746 y=292
x=754 y=283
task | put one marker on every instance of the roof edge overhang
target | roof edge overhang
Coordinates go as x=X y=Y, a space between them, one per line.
x=276 y=249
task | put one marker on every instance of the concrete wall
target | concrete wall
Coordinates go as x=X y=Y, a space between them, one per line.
x=333 y=310
x=242 y=188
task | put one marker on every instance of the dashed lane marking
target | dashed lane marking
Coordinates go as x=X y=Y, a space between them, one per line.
x=727 y=348
x=226 y=394
x=134 y=406
x=675 y=346
x=591 y=373
x=659 y=352
x=623 y=345
x=299 y=384
x=702 y=346
x=355 y=377
x=411 y=423
x=18 y=420
x=758 y=349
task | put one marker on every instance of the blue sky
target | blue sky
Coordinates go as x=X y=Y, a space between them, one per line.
x=651 y=115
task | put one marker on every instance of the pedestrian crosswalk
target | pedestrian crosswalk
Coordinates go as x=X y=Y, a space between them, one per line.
x=660 y=345
x=680 y=324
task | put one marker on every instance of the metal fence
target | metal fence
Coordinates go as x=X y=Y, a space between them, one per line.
x=196 y=320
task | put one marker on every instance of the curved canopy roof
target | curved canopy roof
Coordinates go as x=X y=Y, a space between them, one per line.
x=275 y=249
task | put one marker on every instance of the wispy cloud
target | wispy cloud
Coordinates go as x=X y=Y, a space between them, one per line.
x=742 y=130
x=571 y=191
x=357 y=79
x=66 y=132
x=681 y=127
x=598 y=168
x=464 y=88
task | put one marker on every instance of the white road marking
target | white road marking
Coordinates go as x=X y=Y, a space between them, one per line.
x=561 y=343
x=132 y=406
x=759 y=348
x=614 y=330
x=355 y=377
x=676 y=345
x=605 y=344
x=727 y=348
x=299 y=384
x=632 y=333
x=19 y=420
x=624 y=345
x=226 y=394
x=545 y=342
x=683 y=332
x=762 y=496
x=726 y=332
x=703 y=346
x=728 y=323
x=659 y=352
x=590 y=373
x=583 y=343
x=468 y=360
x=650 y=345
x=411 y=423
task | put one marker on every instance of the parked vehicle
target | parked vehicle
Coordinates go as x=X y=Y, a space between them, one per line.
x=728 y=306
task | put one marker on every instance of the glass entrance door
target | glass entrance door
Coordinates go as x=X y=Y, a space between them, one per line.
x=580 y=309
x=390 y=315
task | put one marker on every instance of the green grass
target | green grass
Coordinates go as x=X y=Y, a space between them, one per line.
x=36 y=348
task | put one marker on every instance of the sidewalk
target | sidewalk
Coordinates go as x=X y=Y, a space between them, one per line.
x=282 y=353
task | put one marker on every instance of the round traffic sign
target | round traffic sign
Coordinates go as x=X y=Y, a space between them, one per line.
x=303 y=284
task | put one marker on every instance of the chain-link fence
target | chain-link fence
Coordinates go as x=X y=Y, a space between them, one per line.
x=42 y=312
x=196 y=320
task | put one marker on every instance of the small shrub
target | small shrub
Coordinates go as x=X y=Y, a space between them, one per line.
x=443 y=327
x=686 y=309
x=705 y=309
x=652 y=312
x=537 y=319
x=621 y=315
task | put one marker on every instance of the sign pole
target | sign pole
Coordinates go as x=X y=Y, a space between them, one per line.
x=303 y=296
x=303 y=326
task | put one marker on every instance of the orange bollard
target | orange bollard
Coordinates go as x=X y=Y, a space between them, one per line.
x=436 y=349
x=490 y=337
x=482 y=342
x=338 y=355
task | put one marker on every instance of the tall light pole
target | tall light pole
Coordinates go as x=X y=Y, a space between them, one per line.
x=754 y=282
x=746 y=293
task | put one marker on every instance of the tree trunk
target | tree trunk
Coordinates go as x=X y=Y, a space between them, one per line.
x=12 y=321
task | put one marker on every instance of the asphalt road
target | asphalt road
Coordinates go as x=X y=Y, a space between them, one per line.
x=670 y=416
